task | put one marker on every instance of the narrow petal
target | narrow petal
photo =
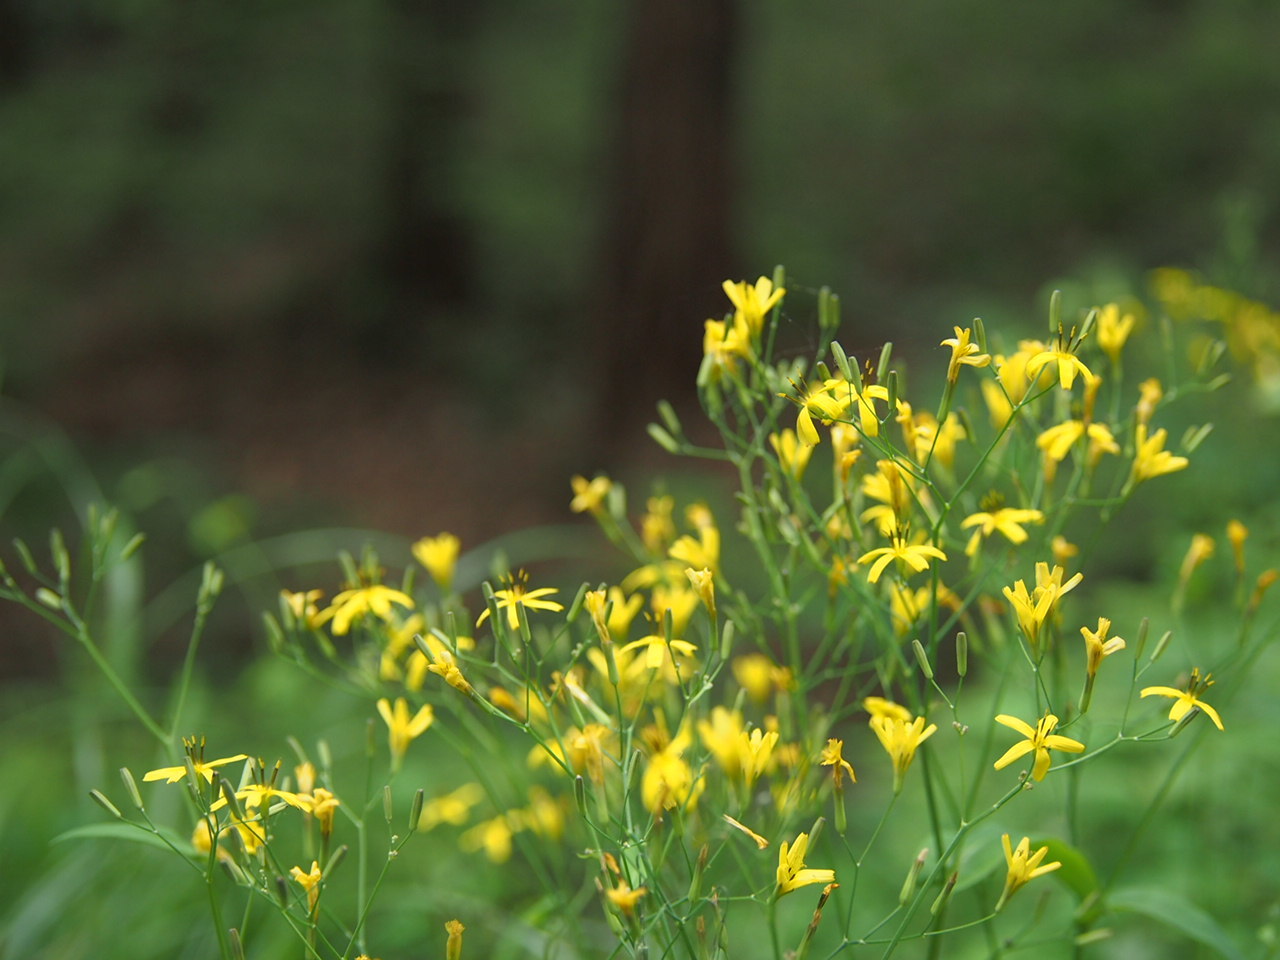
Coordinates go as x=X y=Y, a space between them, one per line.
x=1014 y=723
x=1019 y=749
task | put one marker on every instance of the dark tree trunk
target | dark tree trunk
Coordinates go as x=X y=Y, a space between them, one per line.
x=667 y=242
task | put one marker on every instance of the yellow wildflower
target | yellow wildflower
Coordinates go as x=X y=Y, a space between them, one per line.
x=1151 y=458
x=302 y=605
x=914 y=555
x=752 y=301
x=1187 y=700
x=517 y=594
x=1237 y=533
x=492 y=836
x=724 y=344
x=589 y=495
x=720 y=734
x=755 y=751
x=793 y=456
x=452 y=808
x=880 y=707
x=351 y=605
x=832 y=756
x=963 y=353
x=703 y=583
x=1008 y=521
x=1061 y=354
x=1040 y=739
x=1033 y=608
x=1200 y=550
x=1023 y=867
x=401 y=728
x=624 y=898
x=195 y=750
x=1149 y=395
x=657 y=529
x=453 y=946
x=1098 y=646
x=792 y=872
x=759 y=676
x=439 y=555
x=900 y=739
x=1113 y=330
x=816 y=401
x=309 y=881
x=668 y=780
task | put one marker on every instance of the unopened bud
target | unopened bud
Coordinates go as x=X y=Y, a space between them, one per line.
x=101 y=800
x=922 y=658
x=909 y=885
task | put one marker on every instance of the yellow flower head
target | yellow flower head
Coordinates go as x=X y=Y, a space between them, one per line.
x=351 y=605
x=453 y=946
x=195 y=750
x=1113 y=330
x=963 y=353
x=452 y=808
x=1063 y=354
x=1098 y=646
x=914 y=555
x=880 y=707
x=752 y=301
x=439 y=555
x=302 y=606
x=1184 y=701
x=832 y=756
x=309 y=881
x=624 y=898
x=403 y=729
x=1007 y=521
x=901 y=739
x=1152 y=459
x=792 y=872
x=589 y=495
x=724 y=344
x=1023 y=865
x=793 y=456
x=517 y=594
x=759 y=676
x=1034 y=608
x=1040 y=739
x=1237 y=533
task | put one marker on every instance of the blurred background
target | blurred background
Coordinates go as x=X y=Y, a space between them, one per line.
x=398 y=266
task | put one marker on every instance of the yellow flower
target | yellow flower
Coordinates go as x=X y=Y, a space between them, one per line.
x=446 y=666
x=517 y=594
x=816 y=401
x=1187 y=700
x=453 y=946
x=310 y=881
x=832 y=757
x=901 y=739
x=352 y=604
x=403 y=729
x=1237 y=533
x=1068 y=364
x=1040 y=739
x=894 y=487
x=302 y=605
x=703 y=583
x=195 y=750
x=1113 y=330
x=792 y=873
x=657 y=529
x=963 y=353
x=1201 y=549
x=914 y=555
x=793 y=456
x=720 y=734
x=1033 y=609
x=589 y=495
x=1149 y=395
x=1152 y=459
x=723 y=344
x=1098 y=646
x=1008 y=521
x=492 y=836
x=752 y=302
x=1023 y=867
x=668 y=780
x=439 y=555
x=452 y=808
x=624 y=898
x=755 y=751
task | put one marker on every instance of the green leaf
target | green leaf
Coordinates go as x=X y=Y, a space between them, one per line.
x=1178 y=913
x=123 y=831
x=1076 y=871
